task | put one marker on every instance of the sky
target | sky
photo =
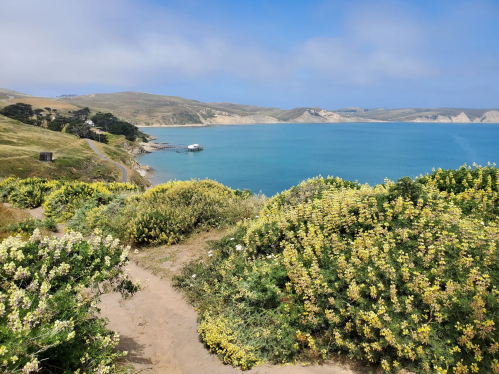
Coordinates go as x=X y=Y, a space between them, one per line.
x=281 y=53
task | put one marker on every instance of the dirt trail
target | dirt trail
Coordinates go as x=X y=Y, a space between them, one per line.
x=159 y=330
x=38 y=213
x=158 y=327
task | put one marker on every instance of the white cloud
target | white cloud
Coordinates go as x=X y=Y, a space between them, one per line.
x=125 y=43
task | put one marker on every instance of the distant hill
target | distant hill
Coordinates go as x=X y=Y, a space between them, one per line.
x=145 y=109
x=11 y=97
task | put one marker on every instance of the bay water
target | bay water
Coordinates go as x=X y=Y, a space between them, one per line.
x=272 y=158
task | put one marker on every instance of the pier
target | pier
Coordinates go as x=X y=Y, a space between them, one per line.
x=176 y=148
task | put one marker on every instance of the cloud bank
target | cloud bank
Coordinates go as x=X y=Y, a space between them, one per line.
x=126 y=44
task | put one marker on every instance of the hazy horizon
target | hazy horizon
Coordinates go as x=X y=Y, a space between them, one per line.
x=285 y=54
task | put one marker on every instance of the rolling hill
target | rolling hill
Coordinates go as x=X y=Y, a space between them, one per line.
x=144 y=109
x=20 y=145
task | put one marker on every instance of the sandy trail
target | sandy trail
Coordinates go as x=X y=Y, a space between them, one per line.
x=158 y=327
x=38 y=213
x=159 y=330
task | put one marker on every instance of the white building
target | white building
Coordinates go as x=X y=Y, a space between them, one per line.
x=194 y=147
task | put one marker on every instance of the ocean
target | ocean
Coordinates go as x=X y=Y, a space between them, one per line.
x=271 y=158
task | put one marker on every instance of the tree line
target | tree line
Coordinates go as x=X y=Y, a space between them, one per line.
x=76 y=122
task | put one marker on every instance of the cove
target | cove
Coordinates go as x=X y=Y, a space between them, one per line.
x=273 y=158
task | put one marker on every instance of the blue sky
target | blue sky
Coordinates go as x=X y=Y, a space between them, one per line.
x=286 y=54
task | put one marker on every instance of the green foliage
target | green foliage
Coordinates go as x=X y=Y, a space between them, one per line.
x=49 y=295
x=404 y=275
x=20 y=111
x=169 y=212
x=25 y=193
x=109 y=123
x=30 y=224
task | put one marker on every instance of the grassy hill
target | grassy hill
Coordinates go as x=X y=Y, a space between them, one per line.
x=20 y=145
x=146 y=109
x=12 y=97
x=409 y=114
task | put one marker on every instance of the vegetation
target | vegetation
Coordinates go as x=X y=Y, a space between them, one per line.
x=52 y=120
x=400 y=275
x=403 y=275
x=48 y=310
x=29 y=225
x=20 y=145
x=109 y=123
x=77 y=123
x=165 y=214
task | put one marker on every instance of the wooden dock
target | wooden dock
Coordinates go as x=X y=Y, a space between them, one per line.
x=175 y=148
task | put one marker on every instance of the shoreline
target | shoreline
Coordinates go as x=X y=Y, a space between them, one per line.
x=312 y=123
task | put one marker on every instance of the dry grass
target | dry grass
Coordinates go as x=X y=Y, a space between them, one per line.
x=40 y=102
x=166 y=261
x=20 y=145
x=10 y=216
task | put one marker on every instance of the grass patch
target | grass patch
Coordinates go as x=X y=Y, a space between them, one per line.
x=74 y=159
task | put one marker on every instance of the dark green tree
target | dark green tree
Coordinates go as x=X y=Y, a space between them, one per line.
x=39 y=113
x=19 y=111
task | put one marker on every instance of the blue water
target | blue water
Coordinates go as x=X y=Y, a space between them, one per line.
x=272 y=158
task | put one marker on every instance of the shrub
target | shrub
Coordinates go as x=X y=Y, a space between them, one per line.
x=169 y=212
x=371 y=272
x=62 y=203
x=109 y=218
x=49 y=297
x=30 y=224
x=25 y=193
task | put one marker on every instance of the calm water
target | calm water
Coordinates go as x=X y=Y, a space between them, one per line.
x=272 y=158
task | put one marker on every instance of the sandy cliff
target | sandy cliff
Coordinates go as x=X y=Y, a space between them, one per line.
x=326 y=116
x=488 y=117
x=219 y=117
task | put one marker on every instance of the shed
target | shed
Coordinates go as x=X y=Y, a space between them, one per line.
x=46 y=156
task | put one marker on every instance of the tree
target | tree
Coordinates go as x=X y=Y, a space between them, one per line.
x=39 y=116
x=19 y=111
x=81 y=115
x=81 y=130
x=109 y=123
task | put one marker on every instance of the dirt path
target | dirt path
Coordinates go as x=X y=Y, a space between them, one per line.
x=158 y=327
x=159 y=330
x=38 y=213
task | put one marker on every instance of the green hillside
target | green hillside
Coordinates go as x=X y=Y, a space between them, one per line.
x=20 y=145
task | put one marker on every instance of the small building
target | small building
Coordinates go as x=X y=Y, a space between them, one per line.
x=194 y=148
x=46 y=156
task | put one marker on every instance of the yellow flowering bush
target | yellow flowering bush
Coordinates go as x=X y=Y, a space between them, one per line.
x=169 y=212
x=48 y=302
x=25 y=193
x=63 y=202
x=222 y=340
x=402 y=274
